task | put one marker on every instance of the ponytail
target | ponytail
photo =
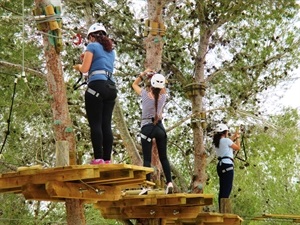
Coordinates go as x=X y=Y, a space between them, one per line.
x=106 y=42
x=155 y=92
x=217 y=137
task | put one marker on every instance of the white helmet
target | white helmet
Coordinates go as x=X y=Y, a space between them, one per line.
x=221 y=127
x=96 y=27
x=158 y=81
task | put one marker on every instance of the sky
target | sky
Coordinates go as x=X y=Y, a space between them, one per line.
x=292 y=96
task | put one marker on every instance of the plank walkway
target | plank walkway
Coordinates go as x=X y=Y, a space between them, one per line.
x=113 y=189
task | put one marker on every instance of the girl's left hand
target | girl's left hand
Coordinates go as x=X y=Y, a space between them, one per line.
x=77 y=67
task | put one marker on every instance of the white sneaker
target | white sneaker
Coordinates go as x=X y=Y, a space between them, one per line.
x=169 y=189
x=144 y=191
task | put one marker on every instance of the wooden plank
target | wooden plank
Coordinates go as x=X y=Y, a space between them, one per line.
x=209 y=218
x=101 y=167
x=175 y=212
x=159 y=198
x=13 y=180
x=168 y=222
x=16 y=190
x=17 y=181
x=119 y=177
x=135 y=193
x=136 y=180
x=44 y=170
x=38 y=192
x=186 y=199
x=112 y=213
x=110 y=167
x=219 y=218
x=232 y=221
x=151 y=212
x=57 y=189
x=126 y=203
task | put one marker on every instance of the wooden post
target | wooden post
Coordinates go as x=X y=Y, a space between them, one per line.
x=62 y=153
x=225 y=206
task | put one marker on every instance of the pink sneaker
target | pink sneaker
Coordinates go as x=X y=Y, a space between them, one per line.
x=97 y=161
x=107 y=161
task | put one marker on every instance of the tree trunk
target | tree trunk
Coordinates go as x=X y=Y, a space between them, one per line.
x=62 y=123
x=127 y=139
x=154 y=46
x=200 y=176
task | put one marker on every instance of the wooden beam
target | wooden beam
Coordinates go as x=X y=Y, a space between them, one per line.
x=38 y=192
x=119 y=177
x=57 y=189
x=219 y=218
x=118 y=174
x=41 y=177
x=126 y=203
x=151 y=212
x=159 y=198
x=185 y=199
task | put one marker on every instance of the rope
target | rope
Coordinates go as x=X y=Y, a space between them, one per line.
x=16 y=79
x=23 y=37
x=244 y=150
x=10 y=113
x=15 y=86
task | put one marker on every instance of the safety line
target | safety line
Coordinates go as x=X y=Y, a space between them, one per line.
x=9 y=117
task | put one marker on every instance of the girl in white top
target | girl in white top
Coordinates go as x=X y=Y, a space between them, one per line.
x=225 y=148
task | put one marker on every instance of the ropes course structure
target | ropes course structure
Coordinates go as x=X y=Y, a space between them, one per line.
x=77 y=189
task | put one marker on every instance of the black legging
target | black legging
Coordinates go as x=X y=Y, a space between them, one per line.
x=99 y=114
x=158 y=132
x=225 y=180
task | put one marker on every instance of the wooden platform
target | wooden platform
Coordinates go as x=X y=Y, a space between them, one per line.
x=86 y=182
x=174 y=209
x=114 y=190
x=155 y=206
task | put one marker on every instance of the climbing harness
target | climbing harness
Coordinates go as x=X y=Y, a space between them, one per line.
x=227 y=169
x=225 y=157
x=93 y=92
x=147 y=138
x=107 y=74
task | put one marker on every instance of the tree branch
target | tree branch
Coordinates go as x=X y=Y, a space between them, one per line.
x=26 y=69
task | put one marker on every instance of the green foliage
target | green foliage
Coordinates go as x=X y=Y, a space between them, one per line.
x=267 y=183
x=252 y=46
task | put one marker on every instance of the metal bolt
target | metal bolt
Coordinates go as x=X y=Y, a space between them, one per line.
x=152 y=212
x=175 y=212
